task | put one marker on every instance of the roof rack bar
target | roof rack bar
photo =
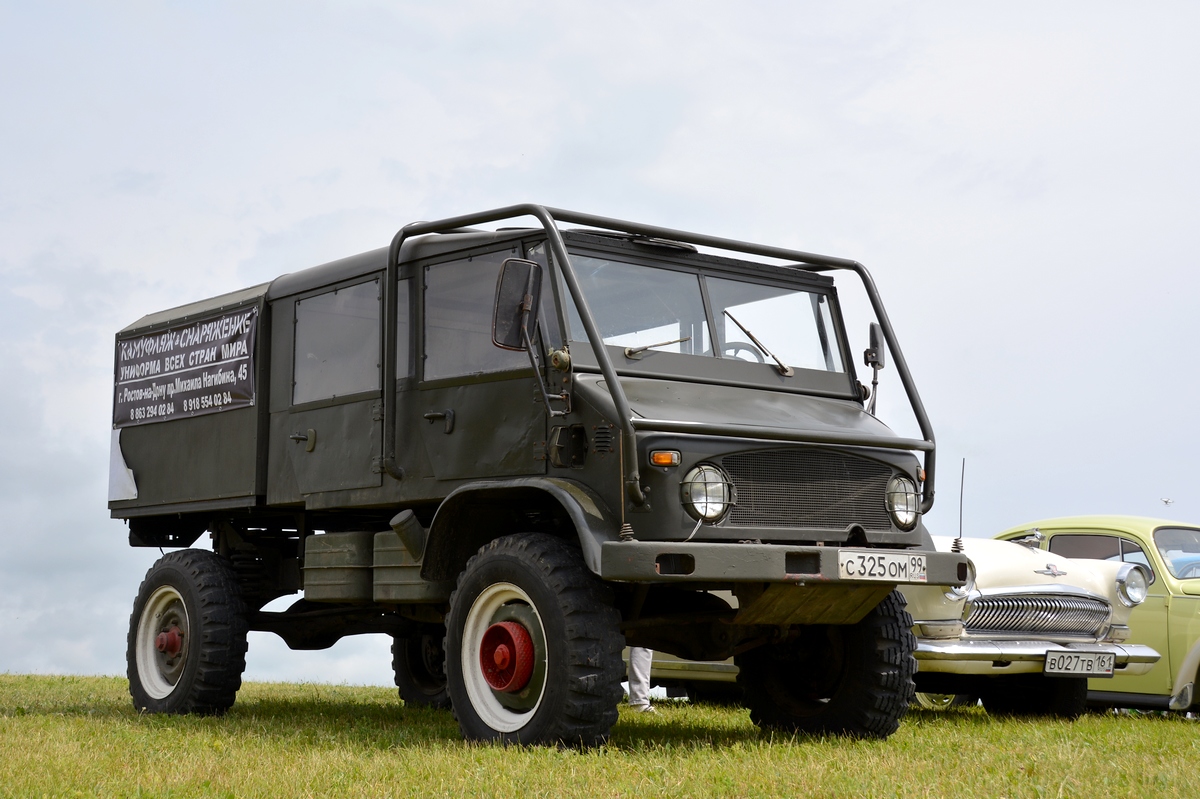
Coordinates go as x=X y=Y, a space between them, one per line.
x=549 y=219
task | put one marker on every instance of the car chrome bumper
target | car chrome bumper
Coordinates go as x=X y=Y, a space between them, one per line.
x=1016 y=657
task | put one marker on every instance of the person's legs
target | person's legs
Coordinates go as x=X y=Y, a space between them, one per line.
x=639 y=677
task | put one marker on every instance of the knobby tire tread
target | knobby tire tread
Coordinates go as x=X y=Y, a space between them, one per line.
x=220 y=649
x=875 y=698
x=592 y=624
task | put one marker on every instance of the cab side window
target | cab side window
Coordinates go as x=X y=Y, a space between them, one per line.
x=337 y=343
x=459 y=301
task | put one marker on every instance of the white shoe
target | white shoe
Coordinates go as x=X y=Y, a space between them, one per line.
x=645 y=708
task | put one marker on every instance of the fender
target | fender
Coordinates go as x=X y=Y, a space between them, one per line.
x=1185 y=679
x=455 y=535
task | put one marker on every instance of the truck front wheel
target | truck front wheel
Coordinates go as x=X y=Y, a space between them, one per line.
x=187 y=636
x=854 y=680
x=533 y=646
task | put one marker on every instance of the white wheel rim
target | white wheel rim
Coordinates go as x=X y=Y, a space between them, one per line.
x=158 y=672
x=483 y=699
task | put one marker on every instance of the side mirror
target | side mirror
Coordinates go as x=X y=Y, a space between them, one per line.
x=875 y=355
x=518 y=294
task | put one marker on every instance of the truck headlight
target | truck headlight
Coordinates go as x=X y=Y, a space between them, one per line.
x=706 y=493
x=903 y=502
x=956 y=592
x=1131 y=585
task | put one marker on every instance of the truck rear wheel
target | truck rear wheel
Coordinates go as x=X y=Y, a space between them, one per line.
x=418 y=662
x=533 y=646
x=854 y=680
x=187 y=636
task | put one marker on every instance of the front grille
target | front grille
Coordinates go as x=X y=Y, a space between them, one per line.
x=807 y=488
x=1038 y=614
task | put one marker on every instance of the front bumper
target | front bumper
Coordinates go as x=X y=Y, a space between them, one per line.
x=777 y=584
x=995 y=658
x=670 y=562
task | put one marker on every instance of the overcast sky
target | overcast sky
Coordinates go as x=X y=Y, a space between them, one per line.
x=1021 y=178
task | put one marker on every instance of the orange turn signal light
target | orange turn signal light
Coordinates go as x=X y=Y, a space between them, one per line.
x=664 y=457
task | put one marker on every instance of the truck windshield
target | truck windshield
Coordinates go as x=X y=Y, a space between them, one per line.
x=663 y=310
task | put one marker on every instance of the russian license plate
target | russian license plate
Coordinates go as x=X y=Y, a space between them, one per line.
x=886 y=567
x=1080 y=664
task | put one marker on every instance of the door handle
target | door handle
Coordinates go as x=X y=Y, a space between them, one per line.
x=310 y=439
x=447 y=414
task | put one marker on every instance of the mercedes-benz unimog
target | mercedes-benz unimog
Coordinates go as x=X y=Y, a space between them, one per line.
x=517 y=451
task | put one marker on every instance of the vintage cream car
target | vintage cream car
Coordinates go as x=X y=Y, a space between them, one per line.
x=1169 y=619
x=1024 y=635
x=1031 y=631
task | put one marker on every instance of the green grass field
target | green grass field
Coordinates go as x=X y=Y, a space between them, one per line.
x=79 y=736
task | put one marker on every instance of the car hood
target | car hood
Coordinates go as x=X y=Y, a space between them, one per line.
x=1002 y=567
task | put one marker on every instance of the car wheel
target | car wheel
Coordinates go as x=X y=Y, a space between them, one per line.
x=934 y=701
x=187 y=636
x=418 y=662
x=533 y=647
x=854 y=680
x=944 y=701
x=1035 y=695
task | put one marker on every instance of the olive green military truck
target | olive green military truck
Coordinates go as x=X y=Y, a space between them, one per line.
x=515 y=451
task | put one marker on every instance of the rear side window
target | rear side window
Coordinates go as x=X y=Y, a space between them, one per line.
x=337 y=343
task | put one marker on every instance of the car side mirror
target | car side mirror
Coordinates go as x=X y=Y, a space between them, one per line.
x=518 y=294
x=875 y=355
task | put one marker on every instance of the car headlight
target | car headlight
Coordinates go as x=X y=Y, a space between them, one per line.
x=706 y=493
x=903 y=502
x=956 y=592
x=1131 y=585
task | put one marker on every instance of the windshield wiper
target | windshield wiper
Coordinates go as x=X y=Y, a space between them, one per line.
x=783 y=368
x=632 y=351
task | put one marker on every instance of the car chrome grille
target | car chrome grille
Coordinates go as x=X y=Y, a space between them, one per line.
x=807 y=488
x=1038 y=614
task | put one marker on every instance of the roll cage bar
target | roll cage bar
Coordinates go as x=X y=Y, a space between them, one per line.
x=549 y=217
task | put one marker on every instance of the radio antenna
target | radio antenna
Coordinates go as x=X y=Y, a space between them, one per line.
x=957 y=546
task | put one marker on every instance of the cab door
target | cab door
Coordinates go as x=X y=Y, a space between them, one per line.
x=479 y=408
x=334 y=425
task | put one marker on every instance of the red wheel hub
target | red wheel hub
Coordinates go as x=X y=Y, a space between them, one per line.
x=506 y=656
x=169 y=642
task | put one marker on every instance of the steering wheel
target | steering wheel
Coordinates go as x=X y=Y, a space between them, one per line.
x=1193 y=570
x=734 y=347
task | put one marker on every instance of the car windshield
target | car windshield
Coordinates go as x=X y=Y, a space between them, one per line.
x=1180 y=548
x=663 y=310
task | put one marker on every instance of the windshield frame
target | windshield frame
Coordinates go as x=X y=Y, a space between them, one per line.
x=710 y=369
